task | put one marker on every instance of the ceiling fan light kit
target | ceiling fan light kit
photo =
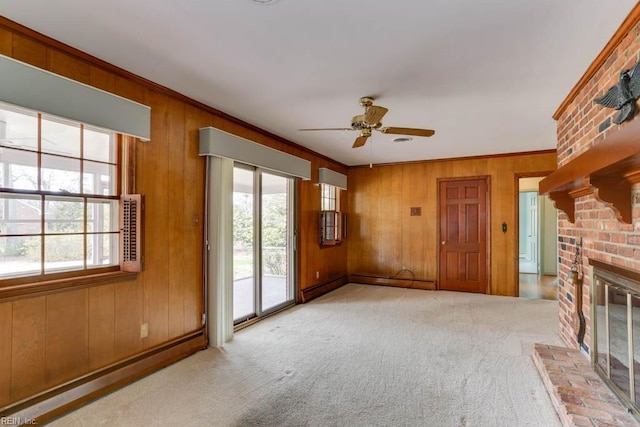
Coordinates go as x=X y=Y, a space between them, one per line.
x=402 y=139
x=371 y=120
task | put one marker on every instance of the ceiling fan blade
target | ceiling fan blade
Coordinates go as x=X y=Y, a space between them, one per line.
x=360 y=141
x=374 y=114
x=407 y=131
x=327 y=129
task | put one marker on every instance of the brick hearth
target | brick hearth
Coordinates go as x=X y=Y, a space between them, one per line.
x=579 y=395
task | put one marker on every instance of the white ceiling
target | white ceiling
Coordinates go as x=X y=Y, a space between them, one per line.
x=486 y=75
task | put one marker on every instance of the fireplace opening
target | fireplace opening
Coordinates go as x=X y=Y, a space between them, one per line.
x=616 y=324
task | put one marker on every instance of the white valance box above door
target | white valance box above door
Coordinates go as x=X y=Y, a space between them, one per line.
x=218 y=143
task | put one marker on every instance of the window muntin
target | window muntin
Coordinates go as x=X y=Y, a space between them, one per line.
x=59 y=195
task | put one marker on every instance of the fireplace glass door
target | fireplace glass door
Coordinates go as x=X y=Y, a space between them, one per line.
x=617 y=334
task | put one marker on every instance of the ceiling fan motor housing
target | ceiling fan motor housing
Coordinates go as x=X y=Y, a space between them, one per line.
x=359 y=122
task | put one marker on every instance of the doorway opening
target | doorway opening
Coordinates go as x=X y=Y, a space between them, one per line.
x=537 y=242
x=263 y=236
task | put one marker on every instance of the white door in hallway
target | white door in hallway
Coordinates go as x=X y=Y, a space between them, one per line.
x=529 y=232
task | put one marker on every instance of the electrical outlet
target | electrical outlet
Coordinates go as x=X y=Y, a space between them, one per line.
x=317 y=274
x=144 y=330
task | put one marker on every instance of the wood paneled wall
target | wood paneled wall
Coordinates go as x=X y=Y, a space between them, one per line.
x=330 y=263
x=385 y=239
x=50 y=339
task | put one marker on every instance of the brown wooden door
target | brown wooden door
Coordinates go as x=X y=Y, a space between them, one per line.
x=463 y=235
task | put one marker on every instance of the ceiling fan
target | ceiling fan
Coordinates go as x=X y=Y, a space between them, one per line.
x=370 y=120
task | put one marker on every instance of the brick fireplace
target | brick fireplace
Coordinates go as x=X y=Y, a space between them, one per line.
x=597 y=191
x=582 y=125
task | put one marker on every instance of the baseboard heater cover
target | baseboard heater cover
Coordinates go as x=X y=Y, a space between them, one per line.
x=367 y=279
x=322 y=288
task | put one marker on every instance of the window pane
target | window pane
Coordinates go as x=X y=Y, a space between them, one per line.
x=19 y=169
x=618 y=339
x=20 y=214
x=323 y=197
x=63 y=252
x=64 y=215
x=99 y=178
x=102 y=216
x=19 y=256
x=274 y=233
x=60 y=174
x=61 y=138
x=338 y=228
x=99 y=145
x=18 y=128
x=102 y=250
x=243 y=243
x=328 y=197
x=602 y=355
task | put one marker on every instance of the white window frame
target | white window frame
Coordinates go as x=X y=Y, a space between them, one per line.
x=100 y=206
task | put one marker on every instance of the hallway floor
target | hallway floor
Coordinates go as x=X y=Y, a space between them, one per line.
x=538 y=286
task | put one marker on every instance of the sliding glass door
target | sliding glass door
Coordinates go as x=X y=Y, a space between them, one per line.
x=275 y=231
x=263 y=242
x=244 y=247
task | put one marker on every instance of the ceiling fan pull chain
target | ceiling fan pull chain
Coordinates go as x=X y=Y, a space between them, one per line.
x=371 y=153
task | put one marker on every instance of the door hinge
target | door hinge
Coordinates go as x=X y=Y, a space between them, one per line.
x=204 y=319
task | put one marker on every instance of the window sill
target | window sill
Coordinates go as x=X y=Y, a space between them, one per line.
x=330 y=243
x=33 y=289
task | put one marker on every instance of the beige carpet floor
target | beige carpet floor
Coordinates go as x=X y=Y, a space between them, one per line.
x=359 y=356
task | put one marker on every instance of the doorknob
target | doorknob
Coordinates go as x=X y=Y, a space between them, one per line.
x=442 y=243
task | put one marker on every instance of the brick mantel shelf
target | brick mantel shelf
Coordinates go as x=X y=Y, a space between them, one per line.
x=607 y=170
